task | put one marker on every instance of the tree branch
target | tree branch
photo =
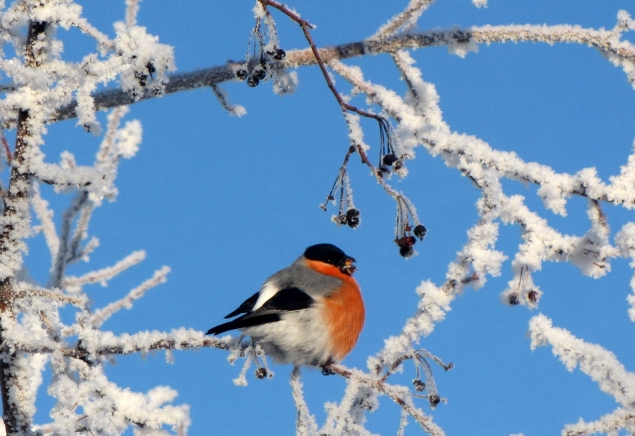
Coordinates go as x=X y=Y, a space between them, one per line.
x=15 y=224
x=601 y=39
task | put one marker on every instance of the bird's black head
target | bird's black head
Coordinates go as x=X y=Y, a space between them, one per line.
x=329 y=253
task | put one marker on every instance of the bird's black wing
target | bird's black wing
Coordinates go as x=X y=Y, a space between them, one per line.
x=288 y=299
x=245 y=306
x=285 y=300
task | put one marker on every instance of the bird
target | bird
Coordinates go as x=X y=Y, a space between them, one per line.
x=310 y=313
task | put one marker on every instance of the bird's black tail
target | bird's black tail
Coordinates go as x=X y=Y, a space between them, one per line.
x=244 y=321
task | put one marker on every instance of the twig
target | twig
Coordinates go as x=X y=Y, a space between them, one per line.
x=393 y=393
x=5 y=144
x=305 y=424
x=105 y=274
x=101 y=315
x=45 y=215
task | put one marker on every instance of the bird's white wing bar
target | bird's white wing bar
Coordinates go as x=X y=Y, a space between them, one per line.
x=269 y=289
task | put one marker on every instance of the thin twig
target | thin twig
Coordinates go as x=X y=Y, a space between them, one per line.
x=393 y=393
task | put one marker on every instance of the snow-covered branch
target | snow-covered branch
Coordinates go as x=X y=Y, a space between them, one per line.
x=593 y=360
x=459 y=41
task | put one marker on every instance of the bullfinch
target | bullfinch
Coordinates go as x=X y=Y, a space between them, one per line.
x=310 y=313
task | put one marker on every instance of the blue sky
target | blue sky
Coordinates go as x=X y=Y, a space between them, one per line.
x=227 y=201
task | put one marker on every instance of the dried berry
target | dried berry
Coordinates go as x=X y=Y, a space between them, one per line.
x=419 y=385
x=261 y=373
x=434 y=400
x=352 y=215
x=389 y=159
x=406 y=241
x=398 y=165
x=150 y=67
x=533 y=296
x=260 y=72
x=420 y=231
x=406 y=251
x=280 y=54
x=341 y=219
x=513 y=299
x=242 y=74
x=405 y=244
x=141 y=78
x=252 y=81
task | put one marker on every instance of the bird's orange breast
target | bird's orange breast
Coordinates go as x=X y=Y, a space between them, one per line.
x=344 y=311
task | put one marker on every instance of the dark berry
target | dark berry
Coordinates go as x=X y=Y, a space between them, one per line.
x=406 y=241
x=513 y=299
x=242 y=74
x=341 y=219
x=141 y=78
x=352 y=216
x=420 y=231
x=405 y=244
x=533 y=296
x=261 y=373
x=150 y=67
x=252 y=81
x=260 y=72
x=398 y=165
x=280 y=54
x=419 y=385
x=434 y=399
x=389 y=159
x=406 y=251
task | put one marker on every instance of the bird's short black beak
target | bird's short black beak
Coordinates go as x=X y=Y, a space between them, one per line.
x=347 y=267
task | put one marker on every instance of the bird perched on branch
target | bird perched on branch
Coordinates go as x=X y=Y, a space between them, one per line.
x=310 y=313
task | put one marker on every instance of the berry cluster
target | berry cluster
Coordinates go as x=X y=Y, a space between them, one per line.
x=526 y=292
x=142 y=77
x=405 y=235
x=387 y=156
x=260 y=55
x=347 y=213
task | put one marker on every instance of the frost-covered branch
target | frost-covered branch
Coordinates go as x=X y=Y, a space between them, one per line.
x=399 y=394
x=459 y=41
x=593 y=360
x=45 y=215
x=608 y=424
x=305 y=422
x=107 y=343
x=17 y=406
x=101 y=315
x=103 y=275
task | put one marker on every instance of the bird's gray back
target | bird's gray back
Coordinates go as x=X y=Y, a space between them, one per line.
x=302 y=277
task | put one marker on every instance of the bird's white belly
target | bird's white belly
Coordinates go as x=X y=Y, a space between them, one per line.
x=300 y=337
